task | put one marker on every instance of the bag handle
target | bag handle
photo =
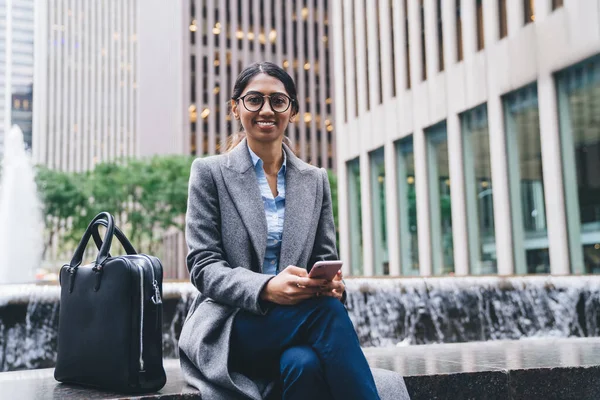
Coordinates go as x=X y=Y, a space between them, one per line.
x=104 y=248
x=129 y=249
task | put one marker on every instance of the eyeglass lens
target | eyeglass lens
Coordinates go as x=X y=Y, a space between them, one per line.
x=254 y=102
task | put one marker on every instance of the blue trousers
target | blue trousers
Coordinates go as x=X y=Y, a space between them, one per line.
x=310 y=348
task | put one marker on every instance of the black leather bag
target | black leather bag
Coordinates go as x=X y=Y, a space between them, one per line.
x=110 y=321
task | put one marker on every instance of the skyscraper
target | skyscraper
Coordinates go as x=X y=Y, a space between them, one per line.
x=227 y=35
x=217 y=39
x=85 y=79
x=16 y=66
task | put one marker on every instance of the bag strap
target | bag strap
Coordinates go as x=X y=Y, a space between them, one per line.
x=104 y=248
x=129 y=249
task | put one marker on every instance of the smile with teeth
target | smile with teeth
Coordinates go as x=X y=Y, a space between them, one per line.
x=265 y=123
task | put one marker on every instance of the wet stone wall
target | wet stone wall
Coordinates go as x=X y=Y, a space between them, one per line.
x=385 y=312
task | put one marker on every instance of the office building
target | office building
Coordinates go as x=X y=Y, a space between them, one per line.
x=16 y=67
x=203 y=56
x=85 y=78
x=471 y=136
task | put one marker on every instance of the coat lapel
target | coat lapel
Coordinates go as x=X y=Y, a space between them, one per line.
x=300 y=197
x=241 y=183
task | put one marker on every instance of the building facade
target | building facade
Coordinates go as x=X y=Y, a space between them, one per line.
x=85 y=80
x=16 y=67
x=469 y=136
x=227 y=35
x=215 y=42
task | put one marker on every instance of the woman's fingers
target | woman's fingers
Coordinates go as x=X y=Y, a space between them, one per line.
x=335 y=289
x=328 y=286
x=338 y=276
x=333 y=293
x=311 y=282
x=300 y=287
x=293 y=270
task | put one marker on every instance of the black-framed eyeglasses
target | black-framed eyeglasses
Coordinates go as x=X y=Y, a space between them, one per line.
x=254 y=101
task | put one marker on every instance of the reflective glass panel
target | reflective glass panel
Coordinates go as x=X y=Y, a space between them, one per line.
x=479 y=193
x=407 y=207
x=579 y=115
x=526 y=181
x=355 y=211
x=442 y=248
x=380 y=246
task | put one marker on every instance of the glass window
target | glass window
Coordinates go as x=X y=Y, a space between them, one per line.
x=379 y=71
x=343 y=55
x=440 y=35
x=556 y=4
x=354 y=34
x=407 y=207
x=579 y=115
x=459 y=46
x=479 y=19
x=392 y=47
x=378 y=205
x=529 y=8
x=406 y=44
x=503 y=22
x=367 y=94
x=355 y=211
x=439 y=194
x=479 y=194
x=423 y=51
x=526 y=181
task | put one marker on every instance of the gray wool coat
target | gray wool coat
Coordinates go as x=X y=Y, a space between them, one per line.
x=226 y=233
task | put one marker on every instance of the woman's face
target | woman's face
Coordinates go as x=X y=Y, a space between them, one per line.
x=263 y=124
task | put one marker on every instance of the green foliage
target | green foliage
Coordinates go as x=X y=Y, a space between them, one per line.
x=147 y=197
x=334 y=204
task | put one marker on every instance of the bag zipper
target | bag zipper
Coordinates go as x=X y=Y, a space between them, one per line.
x=156 y=299
x=141 y=360
x=141 y=317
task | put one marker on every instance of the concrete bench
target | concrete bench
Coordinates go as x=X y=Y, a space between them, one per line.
x=527 y=369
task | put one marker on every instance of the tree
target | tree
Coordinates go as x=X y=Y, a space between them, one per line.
x=146 y=196
x=62 y=195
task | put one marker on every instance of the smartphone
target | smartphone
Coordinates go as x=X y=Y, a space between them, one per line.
x=325 y=269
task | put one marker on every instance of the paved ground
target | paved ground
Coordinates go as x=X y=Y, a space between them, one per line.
x=487 y=356
x=526 y=369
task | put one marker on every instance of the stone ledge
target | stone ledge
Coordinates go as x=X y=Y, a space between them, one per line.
x=527 y=369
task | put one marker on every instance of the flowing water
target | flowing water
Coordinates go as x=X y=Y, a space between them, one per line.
x=385 y=312
x=21 y=225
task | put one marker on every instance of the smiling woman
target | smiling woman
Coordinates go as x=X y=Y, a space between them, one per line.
x=254 y=85
x=258 y=219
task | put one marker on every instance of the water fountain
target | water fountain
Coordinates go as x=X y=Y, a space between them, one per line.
x=385 y=312
x=21 y=226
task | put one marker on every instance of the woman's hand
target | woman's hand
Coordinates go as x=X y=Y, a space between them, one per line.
x=292 y=285
x=336 y=287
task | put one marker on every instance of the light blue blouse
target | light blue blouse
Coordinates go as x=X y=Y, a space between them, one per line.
x=274 y=212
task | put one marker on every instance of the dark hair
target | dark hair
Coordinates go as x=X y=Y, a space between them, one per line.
x=246 y=76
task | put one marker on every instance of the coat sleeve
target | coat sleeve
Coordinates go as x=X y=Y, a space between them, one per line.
x=209 y=269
